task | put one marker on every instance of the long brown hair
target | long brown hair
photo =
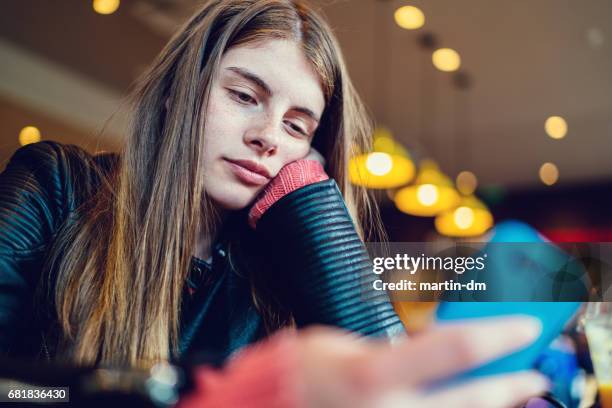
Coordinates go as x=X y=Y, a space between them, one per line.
x=124 y=262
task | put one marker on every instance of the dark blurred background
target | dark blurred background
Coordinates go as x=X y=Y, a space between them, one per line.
x=65 y=69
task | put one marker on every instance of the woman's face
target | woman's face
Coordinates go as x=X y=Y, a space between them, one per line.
x=265 y=105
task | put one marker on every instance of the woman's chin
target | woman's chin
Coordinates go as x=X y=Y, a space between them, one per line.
x=233 y=200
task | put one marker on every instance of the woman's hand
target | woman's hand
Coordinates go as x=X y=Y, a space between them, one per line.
x=341 y=372
x=291 y=177
x=323 y=367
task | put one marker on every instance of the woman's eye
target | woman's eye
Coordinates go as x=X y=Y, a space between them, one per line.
x=297 y=128
x=242 y=97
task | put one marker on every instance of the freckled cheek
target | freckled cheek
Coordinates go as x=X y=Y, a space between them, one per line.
x=295 y=150
x=223 y=131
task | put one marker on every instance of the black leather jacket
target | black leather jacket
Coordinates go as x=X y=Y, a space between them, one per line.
x=319 y=267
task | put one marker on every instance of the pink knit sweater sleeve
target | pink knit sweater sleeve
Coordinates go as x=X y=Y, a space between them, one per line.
x=293 y=176
x=264 y=375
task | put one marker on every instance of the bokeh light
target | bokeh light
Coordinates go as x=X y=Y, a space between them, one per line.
x=466 y=182
x=549 y=173
x=432 y=193
x=29 y=134
x=556 y=127
x=427 y=194
x=446 y=59
x=471 y=218
x=105 y=6
x=388 y=166
x=409 y=17
x=379 y=163
x=464 y=217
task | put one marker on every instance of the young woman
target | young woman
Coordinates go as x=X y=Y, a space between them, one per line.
x=218 y=224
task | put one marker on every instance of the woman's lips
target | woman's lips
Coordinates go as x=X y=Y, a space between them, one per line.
x=247 y=176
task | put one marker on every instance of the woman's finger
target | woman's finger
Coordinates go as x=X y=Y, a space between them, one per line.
x=449 y=350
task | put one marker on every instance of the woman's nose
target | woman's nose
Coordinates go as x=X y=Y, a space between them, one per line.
x=264 y=139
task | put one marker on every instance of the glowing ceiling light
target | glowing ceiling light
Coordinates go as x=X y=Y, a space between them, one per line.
x=409 y=17
x=466 y=182
x=556 y=127
x=549 y=173
x=446 y=59
x=463 y=217
x=432 y=193
x=384 y=143
x=379 y=163
x=105 y=6
x=388 y=166
x=470 y=219
x=29 y=134
x=427 y=194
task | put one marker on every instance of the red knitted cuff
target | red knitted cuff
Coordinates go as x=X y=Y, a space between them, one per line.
x=294 y=175
x=265 y=375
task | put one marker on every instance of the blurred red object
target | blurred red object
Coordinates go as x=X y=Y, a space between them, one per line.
x=578 y=234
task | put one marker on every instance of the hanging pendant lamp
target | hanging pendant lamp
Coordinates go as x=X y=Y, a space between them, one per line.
x=470 y=218
x=388 y=166
x=432 y=193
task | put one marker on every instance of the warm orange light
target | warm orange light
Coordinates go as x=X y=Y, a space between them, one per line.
x=409 y=17
x=466 y=182
x=380 y=170
x=427 y=194
x=446 y=59
x=556 y=127
x=105 y=6
x=470 y=219
x=379 y=163
x=29 y=134
x=432 y=193
x=605 y=393
x=463 y=217
x=549 y=173
x=388 y=166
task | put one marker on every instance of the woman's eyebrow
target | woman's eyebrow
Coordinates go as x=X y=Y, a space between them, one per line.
x=306 y=112
x=249 y=76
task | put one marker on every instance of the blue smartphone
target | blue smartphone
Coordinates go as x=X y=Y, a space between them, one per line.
x=553 y=316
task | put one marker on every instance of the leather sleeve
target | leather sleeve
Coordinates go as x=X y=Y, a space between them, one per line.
x=321 y=268
x=42 y=185
x=32 y=206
